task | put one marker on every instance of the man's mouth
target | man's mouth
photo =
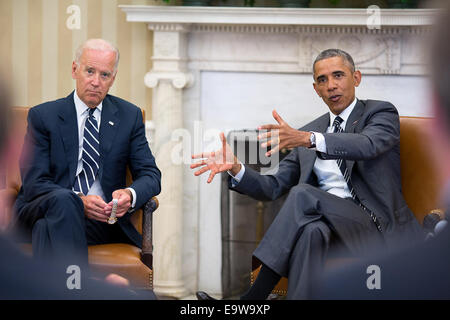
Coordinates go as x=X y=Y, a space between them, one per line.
x=335 y=98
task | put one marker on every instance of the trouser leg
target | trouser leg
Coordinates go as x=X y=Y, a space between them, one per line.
x=58 y=226
x=305 y=265
x=307 y=205
x=41 y=240
x=307 y=260
x=101 y=233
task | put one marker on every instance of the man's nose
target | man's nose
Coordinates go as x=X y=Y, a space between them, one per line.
x=95 y=80
x=331 y=85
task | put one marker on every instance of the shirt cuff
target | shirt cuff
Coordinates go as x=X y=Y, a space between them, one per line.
x=133 y=204
x=237 y=178
x=320 y=142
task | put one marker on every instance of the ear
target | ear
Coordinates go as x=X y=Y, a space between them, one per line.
x=357 y=78
x=315 y=88
x=74 y=70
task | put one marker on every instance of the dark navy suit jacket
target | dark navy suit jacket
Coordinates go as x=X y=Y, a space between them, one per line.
x=51 y=156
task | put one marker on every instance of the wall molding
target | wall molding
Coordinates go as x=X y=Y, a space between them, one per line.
x=275 y=16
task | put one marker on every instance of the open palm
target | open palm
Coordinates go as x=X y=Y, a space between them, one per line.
x=216 y=161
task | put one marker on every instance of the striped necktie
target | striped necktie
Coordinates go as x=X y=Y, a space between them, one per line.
x=90 y=155
x=343 y=167
x=341 y=163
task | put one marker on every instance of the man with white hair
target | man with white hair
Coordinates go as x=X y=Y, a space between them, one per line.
x=77 y=149
x=21 y=277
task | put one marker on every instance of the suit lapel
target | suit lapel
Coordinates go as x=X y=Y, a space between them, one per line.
x=308 y=156
x=354 y=117
x=323 y=123
x=108 y=129
x=68 y=127
x=352 y=122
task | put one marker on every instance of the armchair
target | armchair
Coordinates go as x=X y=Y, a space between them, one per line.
x=421 y=183
x=124 y=259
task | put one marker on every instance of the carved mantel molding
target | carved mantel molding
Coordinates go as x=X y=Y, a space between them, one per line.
x=275 y=16
x=394 y=45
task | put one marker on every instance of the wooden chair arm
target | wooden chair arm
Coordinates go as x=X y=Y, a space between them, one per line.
x=147 y=239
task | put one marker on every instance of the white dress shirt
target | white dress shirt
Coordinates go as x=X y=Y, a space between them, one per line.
x=328 y=174
x=82 y=114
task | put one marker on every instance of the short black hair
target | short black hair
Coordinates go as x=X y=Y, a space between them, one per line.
x=330 y=53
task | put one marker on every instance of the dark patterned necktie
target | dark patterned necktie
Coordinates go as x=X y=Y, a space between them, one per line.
x=90 y=155
x=343 y=167
x=341 y=163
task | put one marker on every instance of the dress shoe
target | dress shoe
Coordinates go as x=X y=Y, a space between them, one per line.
x=201 y=295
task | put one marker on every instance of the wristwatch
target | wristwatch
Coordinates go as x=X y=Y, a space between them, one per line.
x=312 y=140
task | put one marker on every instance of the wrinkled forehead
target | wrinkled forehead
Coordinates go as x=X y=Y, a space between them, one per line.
x=102 y=59
x=330 y=66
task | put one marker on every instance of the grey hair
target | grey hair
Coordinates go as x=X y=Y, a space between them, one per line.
x=330 y=53
x=97 y=44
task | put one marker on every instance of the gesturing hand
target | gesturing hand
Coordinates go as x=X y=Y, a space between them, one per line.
x=281 y=136
x=216 y=161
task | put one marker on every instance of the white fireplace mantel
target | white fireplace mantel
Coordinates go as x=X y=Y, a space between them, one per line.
x=275 y=16
x=210 y=63
x=384 y=41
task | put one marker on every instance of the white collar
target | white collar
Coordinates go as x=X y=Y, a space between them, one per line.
x=344 y=114
x=81 y=107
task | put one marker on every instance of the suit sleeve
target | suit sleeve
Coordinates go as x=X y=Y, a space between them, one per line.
x=380 y=134
x=145 y=173
x=270 y=187
x=35 y=160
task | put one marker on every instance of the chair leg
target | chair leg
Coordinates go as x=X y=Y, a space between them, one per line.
x=147 y=239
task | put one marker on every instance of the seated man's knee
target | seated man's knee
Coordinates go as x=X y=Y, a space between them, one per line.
x=302 y=189
x=65 y=200
x=303 y=196
x=318 y=230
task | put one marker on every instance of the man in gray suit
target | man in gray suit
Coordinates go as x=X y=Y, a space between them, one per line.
x=342 y=176
x=420 y=271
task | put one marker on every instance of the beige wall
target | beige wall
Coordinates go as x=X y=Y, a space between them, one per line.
x=37 y=47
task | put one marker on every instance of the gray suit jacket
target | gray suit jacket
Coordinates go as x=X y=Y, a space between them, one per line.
x=370 y=147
